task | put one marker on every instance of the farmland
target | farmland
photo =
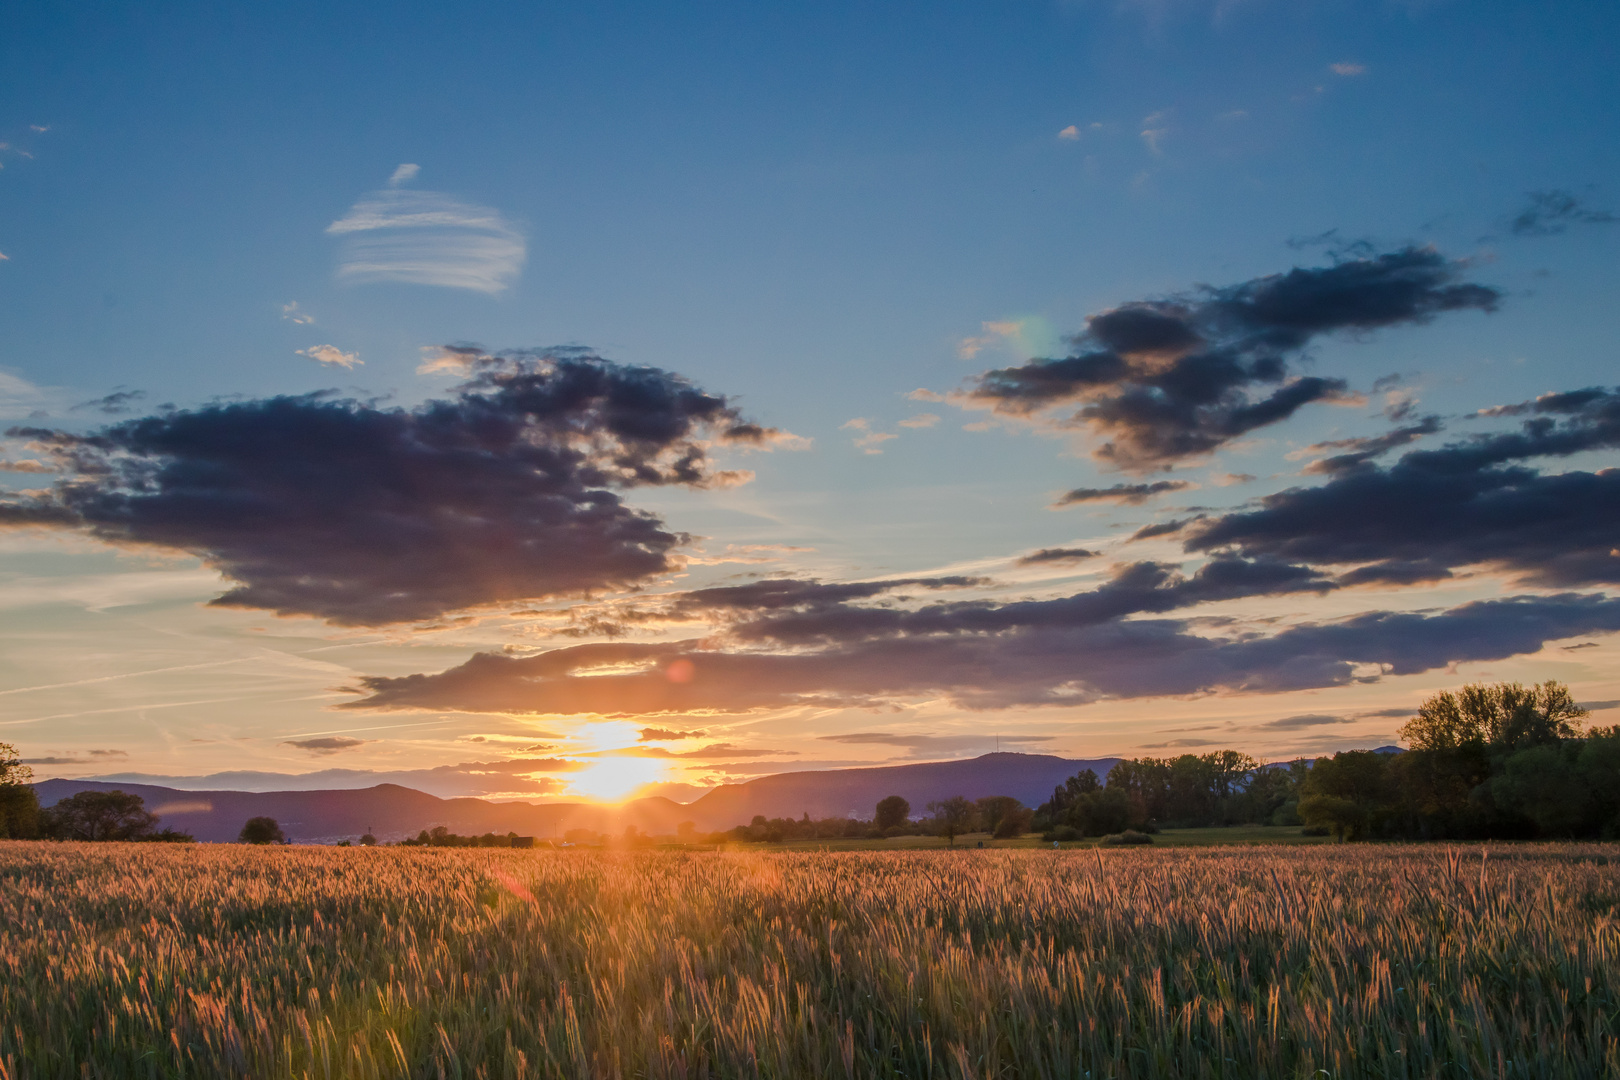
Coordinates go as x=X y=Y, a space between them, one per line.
x=1285 y=961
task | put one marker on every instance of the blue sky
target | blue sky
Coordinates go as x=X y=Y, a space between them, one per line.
x=813 y=211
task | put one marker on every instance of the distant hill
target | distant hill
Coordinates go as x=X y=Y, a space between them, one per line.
x=1029 y=778
x=393 y=812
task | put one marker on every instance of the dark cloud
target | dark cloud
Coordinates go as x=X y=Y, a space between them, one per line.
x=983 y=655
x=1131 y=494
x=114 y=404
x=330 y=744
x=365 y=516
x=656 y=734
x=1553 y=212
x=1164 y=380
x=1357 y=452
x=1599 y=706
x=1468 y=503
x=1292 y=723
x=1160 y=528
x=85 y=757
x=1056 y=555
x=1385 y=714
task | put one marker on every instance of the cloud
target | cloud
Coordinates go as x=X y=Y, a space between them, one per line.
x=1553 y=212
x=1047 y=556
x=1348 y=70
x=870 y=441
x=1467 y=503
x=1169 y=379
x=1070 y=134
x=427 y=238
x=332 y=356
x=403 y=175
x=1359 y=451
x=364 y=516
x=290 y=313
x=921 y=394
x=25 y=465
x=114 y=404
x=20 y=398
x=655 y=734
x=79 y=757
x=329 y=745
x=921 y=420
x=1599 y=706
x=1131 y=494
x=1293 y=723
x=1003 y=332
x=1034 y=657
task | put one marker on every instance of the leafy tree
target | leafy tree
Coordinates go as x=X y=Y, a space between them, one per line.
x=261 y=830
x=368 y=840
x=19 y=806
x=1359 y=778
x=1545 y=785
x=952 y=817
x=1504 y=716
x=100 y=815
x=892 y=812
x=992 y=810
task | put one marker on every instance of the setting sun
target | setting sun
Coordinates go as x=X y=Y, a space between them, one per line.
x=612 y=779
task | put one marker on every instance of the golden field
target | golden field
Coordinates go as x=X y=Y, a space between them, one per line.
x=136 y=960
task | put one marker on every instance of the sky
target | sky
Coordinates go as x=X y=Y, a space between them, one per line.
x=565 y=401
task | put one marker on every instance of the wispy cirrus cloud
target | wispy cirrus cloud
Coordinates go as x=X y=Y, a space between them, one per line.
x=427 y=238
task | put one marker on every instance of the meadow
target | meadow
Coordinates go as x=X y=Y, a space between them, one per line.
x=149 y=960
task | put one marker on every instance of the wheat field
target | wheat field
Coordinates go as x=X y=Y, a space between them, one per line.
x=1350 y=961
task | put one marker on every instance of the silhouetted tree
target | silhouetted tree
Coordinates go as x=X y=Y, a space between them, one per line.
x=19 y=806
x=1507 y=716
x=952 y=817
x=262 y=830
x=99 y=815
x=892 y=812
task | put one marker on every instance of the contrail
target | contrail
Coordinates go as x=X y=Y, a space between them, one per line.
x=122 y=708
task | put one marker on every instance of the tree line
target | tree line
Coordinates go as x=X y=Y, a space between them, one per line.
x=1000 y=815
x=1487 y=761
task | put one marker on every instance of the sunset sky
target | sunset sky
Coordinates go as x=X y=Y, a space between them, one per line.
x=540 y=400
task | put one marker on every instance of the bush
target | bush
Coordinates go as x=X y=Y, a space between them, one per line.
x=1315 y=830
x=262 y=830
x=1065 y=833
x=1129 y=836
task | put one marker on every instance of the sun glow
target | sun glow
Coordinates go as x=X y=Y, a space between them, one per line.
x=613 y=779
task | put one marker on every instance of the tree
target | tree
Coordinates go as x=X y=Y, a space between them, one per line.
x=19 y=806
x=993 y=809
x=1342 y=792
x=1507 y=716
x=261 y=830
x=892 y=812
x=952 y=817
x=100 y=815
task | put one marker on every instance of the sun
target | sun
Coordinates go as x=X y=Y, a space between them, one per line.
x=613 y=779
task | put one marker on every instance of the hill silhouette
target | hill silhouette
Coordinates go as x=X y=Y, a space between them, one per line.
x=393 y=812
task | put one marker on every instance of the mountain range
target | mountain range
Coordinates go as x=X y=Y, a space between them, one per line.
x=392 y=812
